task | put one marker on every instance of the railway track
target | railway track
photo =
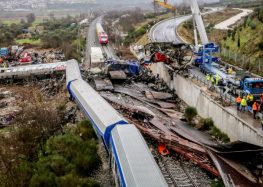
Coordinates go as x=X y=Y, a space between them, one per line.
x=109 y=52
x=174 y=172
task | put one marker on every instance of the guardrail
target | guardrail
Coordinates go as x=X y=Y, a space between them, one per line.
x=217 y=89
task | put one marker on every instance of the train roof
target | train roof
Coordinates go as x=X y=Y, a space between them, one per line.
x=254 y=80
x=137 y=165
x=97 y=109
x=72 y=71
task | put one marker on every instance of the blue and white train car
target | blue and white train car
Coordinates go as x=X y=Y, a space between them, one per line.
x=72 y=71
x=101 y=114
x=131 y=160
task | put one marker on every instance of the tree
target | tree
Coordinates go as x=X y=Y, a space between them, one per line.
x=32 y=127
x=68 y=161
x=30 y=18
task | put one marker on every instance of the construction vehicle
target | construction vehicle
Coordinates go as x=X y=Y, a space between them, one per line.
x=247 y=85
x=4 y=52
x=208 y=64
x=165 y=4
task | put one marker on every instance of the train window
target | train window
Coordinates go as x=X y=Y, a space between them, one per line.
x=257 y=85
x=246 y=84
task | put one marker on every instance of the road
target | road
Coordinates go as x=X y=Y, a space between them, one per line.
x=231 y=21
x=165 y=31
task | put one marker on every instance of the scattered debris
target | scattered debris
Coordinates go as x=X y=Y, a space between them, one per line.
x=118 y=75
x=103 y=84
x=158 y=95
x=18 y=55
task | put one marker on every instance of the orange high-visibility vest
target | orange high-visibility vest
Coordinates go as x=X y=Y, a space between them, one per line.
x=238 y=99
x=255 y=107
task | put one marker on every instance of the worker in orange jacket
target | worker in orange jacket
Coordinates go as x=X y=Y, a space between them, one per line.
x=238 y=102
x=255 y=109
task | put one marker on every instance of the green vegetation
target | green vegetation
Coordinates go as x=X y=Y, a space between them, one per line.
x=217 y=183
x=67 y=158
x=28 y=41
x=39 y=151
x=248 y=38
x=10 y=32
x=190 y=113
x=133 y=35
x=208 y=125
x=51 y=33
x=11 y=21
x=134 y=23
x=241 y=3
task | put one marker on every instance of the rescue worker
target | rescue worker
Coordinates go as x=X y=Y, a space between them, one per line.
x=208 y=78
x=250 y=99
x=212 y=80
x=243 y=104
x=238 y=102
x=5 y=65
x=217 y=78
x=255 y=109
x=230 y=70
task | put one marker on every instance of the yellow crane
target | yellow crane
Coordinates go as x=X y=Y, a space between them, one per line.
x=164 y=4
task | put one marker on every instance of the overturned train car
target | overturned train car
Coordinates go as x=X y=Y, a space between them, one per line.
x=131 y=161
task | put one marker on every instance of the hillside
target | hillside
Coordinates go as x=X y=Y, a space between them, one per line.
x=247 y=38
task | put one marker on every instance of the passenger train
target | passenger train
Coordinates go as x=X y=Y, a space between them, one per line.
x=131 y=161
x=102 y=35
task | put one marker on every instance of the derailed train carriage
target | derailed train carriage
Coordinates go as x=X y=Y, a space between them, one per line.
x=131 y=161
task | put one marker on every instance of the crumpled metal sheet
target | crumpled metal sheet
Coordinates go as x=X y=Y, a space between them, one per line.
x=103 y=84
x=158 y=95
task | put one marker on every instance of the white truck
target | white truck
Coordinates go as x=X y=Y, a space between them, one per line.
x=96 y=57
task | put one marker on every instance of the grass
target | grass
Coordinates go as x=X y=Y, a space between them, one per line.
x=217 y=183
x=143 y=40
x=28 y=41
x=4 y=130
x=214 y=131
x=35 y=23
x=11 y=21
x=249 y=40
x=208 y=126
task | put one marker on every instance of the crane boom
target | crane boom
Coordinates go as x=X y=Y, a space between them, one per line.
x=165 y=5
x=199 y=24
